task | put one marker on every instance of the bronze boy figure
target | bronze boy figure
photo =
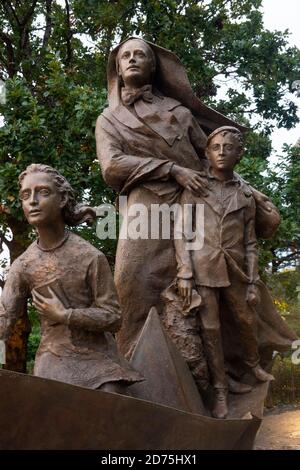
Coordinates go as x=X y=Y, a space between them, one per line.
x=225 y=269
x=72 y=288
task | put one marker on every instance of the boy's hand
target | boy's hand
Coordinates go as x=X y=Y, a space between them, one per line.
x=185 y=287
x=189 y=179
x=252 y=296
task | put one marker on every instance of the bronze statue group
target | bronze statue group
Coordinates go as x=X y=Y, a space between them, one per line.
x=156 y=144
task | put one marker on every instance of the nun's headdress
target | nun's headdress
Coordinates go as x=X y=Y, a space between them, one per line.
x=171 y=80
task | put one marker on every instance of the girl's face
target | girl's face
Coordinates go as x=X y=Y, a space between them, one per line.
x=41 y=201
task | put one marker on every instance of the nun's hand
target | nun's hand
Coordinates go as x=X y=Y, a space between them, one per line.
x=190 y=179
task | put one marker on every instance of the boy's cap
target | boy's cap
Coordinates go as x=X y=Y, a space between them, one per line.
x=231 y=129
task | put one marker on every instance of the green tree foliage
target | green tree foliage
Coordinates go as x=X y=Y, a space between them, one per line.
x=53 y=56
x=286 y=245
x=54 y=126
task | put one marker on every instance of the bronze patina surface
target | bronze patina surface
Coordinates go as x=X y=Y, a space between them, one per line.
x=80 y=418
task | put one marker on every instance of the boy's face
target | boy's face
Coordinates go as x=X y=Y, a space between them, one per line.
x=42 y=203
x=224 y=152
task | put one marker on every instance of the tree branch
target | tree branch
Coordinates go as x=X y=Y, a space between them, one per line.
x=10 y=64
x=48 y=23
x=11 y=12
x=4 y=63
x=68 y=34
x=29 y=13
x=24 y=37
x=215 y=12
x=48 y=30
x=278 y=261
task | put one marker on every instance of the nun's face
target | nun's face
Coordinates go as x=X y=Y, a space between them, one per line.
x=135 y=63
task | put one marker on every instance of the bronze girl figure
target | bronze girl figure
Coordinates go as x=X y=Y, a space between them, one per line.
x=71 y=286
